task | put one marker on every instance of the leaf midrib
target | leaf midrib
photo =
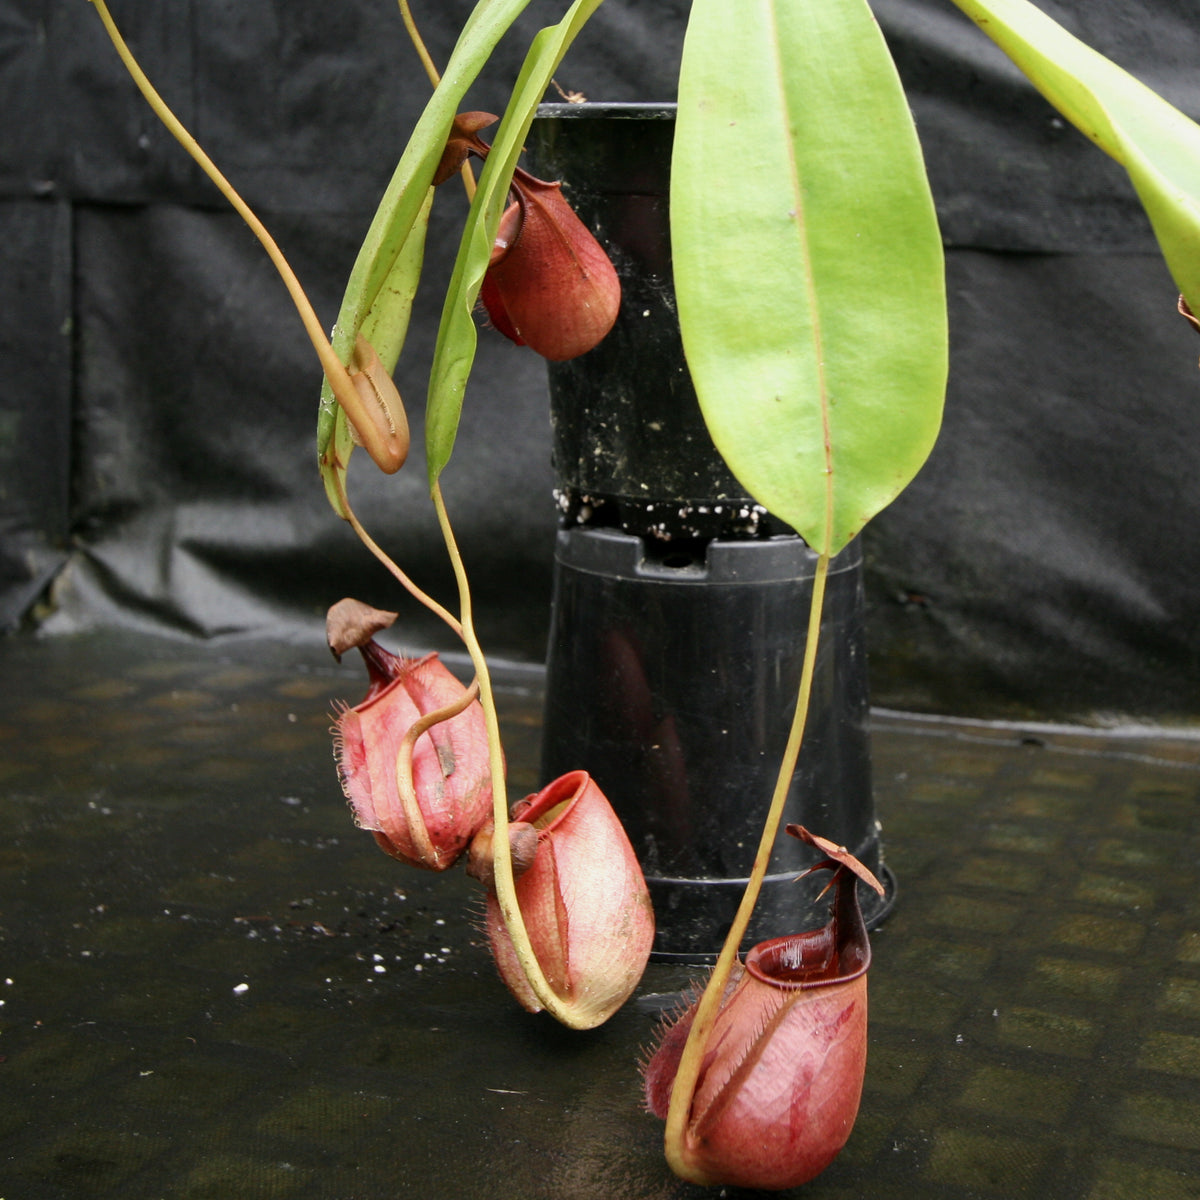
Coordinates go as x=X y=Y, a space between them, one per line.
x=802 y=233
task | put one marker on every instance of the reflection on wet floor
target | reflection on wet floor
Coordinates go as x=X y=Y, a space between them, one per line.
x=212 y=985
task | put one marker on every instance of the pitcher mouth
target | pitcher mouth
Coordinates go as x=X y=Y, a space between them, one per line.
x=545 y=808
x=837 y=952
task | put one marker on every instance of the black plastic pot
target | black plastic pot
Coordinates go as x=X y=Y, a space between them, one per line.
x=680 y=604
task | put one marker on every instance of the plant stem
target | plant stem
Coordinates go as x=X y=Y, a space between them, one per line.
x=404 y=580
x=418 y=44
x=422 y=843
x=435 y=78
x=688 y=1074
x=504 y=885
x=334 y=368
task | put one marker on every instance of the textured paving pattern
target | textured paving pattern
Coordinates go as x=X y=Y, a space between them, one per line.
x=214 y=986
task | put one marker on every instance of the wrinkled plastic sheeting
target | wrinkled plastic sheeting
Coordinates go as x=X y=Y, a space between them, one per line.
x=158 y=397
x=35 y=399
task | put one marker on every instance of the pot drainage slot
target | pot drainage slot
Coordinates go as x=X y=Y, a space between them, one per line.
x=679 y=556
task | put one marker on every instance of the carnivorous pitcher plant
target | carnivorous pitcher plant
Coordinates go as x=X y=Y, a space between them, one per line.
x=809 y=279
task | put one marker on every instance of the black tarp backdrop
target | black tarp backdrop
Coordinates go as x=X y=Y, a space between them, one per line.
x=158 y=397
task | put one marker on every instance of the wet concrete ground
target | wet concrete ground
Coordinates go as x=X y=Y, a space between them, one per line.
x=213 y=986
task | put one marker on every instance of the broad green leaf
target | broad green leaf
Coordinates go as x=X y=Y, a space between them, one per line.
x=807 y=259
x=457 y=340
x=1155 y=142
x=385 y=326
x=386 y=258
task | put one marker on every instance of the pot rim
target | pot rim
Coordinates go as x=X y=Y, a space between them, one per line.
x=614 y=109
